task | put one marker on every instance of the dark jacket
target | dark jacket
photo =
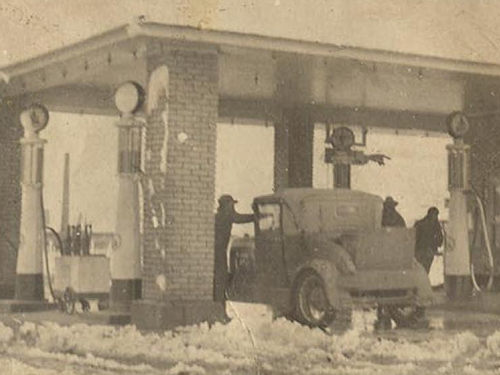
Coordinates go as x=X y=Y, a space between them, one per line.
x=429 y=236
x=392 y=218
x=224 y=220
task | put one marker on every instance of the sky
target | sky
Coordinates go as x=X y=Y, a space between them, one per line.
x=456 y=29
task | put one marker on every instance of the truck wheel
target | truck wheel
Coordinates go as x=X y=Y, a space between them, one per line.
x=312 y=307
x=403 y=316
x=69 y=301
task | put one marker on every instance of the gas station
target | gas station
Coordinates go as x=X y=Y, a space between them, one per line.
x=168 y=86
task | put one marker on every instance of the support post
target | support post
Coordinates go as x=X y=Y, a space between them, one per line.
x=293 y=149
x=342 y=176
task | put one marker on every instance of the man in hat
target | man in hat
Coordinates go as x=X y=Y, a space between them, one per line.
x=429 y=237
x=224 y=218
x=391 y=217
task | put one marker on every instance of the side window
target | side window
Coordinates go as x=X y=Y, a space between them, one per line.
x=268 y=216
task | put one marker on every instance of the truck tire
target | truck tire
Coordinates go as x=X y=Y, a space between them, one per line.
x=311 y=306
x=403 y=316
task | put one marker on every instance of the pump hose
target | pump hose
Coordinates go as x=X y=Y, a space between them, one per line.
x=488 y=248
x=45 y=251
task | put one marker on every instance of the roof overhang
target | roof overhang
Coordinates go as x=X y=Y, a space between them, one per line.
x=245 y=41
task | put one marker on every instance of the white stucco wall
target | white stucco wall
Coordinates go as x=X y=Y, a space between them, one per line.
x=91 y=142
x=416 y=175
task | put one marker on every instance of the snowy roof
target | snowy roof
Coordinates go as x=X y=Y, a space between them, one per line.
x=455 y=30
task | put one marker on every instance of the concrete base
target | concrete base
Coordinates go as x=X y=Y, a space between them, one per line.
x=14 y=306
x=458 y=287
x=123 y=292
x=29 y=287
x=109 y=317
x=155 y=315
x=7 y=291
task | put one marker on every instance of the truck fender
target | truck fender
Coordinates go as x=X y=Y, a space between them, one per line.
x=337 y=297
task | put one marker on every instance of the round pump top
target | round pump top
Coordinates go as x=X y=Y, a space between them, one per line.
x=129 y=97
x=342 y=138
x=34 y=118
x=458 y=124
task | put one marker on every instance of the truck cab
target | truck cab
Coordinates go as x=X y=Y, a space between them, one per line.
x=318 y=252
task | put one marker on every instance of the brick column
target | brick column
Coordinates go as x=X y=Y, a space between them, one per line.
x=293 y=149
x=179 y=192
x=10 y=193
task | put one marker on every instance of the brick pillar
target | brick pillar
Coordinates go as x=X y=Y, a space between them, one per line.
x=180 y=192
x=10 y=193
x=293 y=149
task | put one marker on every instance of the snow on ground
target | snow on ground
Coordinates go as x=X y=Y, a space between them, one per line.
x=252 y=343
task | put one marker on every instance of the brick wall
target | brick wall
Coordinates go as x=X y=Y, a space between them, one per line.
x=181 y=251
x=10 y=193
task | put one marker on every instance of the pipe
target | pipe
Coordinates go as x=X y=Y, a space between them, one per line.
x=44 y=244
x=488 y=248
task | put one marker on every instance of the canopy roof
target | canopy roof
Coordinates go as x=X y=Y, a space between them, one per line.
x=465 y=30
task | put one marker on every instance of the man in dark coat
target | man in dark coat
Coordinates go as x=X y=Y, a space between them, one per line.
x=224 y=218
x=391 y=217
x=429 y=237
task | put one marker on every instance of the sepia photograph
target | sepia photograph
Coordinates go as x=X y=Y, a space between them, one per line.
x=249 y=187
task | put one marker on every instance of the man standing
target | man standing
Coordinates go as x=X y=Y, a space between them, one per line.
x=224 y=218
x=429 y=237
x=391 y=217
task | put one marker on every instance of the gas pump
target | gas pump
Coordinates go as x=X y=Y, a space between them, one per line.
x=342 y=156
x=457 y=256
x=458 y=266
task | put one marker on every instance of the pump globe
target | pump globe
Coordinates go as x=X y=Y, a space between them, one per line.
x=458 y=125
x=129 y=97
x=34 y=118
x=342 y=138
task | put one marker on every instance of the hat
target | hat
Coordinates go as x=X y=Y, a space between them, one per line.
x=389 y=201
x=433 y=211
x=226 y=199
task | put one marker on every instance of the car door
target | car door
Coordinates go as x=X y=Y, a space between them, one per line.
x=270 y=268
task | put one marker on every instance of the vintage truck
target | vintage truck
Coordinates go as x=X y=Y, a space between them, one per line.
x=317 y=253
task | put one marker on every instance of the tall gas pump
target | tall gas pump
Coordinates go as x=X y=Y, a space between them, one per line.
x=126 y=279
x=457 y=254
x=342 y=156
